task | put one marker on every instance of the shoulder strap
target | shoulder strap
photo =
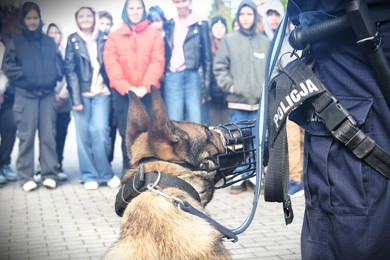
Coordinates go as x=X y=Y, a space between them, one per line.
x=298 y=84
x=275 y=184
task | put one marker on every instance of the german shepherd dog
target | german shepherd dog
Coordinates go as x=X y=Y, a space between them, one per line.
x=152 y=227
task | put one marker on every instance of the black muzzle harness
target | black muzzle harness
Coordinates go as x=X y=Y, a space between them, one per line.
x=238 y=160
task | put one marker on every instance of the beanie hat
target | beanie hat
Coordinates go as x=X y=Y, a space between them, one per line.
x=218 y=19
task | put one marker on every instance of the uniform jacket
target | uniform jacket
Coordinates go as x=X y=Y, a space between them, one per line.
x=347 y=201
x=135 y=57
x=197 y=49
x=78 y=65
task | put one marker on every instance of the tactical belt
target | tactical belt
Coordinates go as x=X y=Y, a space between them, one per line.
x=295 y=85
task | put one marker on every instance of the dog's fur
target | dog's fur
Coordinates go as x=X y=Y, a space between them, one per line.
x=152 y=227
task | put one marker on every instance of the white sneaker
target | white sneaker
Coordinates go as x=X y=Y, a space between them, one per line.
x=91 y=185
x=114 y=182
x=49 y=183
x=29 y=186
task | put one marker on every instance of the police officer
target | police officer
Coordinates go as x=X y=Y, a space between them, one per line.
x=347 y=202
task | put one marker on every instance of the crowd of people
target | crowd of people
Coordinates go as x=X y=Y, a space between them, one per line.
x=202 y=74
x=206 y=74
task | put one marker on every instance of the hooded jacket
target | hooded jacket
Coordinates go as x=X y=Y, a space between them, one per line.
x=274 y=5
x=32 y=61
x=240 y=62
x=134 y=57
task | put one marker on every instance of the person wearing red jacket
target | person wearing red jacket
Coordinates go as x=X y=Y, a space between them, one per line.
x=134 y=57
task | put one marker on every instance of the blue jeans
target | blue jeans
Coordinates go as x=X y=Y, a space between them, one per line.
x=239 y=115
x=93 y=142
x=182 y=92
x=236 y=116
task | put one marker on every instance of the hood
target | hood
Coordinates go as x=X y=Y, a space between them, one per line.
x=252 y=5
x=274 y=5
x=95 y=32
x=126 y=19
x=31 y=35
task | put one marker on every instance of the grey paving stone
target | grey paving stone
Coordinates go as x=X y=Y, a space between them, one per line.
x=71 y=223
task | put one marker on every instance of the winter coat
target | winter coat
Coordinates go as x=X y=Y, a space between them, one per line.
x=240 y=62
x=78 y=66
x=197 y=49
x=34 y=65
x=134 y=57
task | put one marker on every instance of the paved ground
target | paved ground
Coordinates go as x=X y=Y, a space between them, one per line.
x=72 y=223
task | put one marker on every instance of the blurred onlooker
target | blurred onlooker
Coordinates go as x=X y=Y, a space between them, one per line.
x=105 y=24
x=7 y=124
x=157 y=19
x=239 y=69
x=90 y=95
x=272 y=16
x=33 y=65
x=218 y=106
x=63 y=104
x=188 y=49
x=134 y=59
x=260 y=7
x=105 y=21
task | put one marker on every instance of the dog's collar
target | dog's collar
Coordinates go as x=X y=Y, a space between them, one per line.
x=139 y=182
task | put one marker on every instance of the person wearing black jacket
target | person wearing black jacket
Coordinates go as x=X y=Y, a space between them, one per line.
x=88 y=87
x=7 y=123
x=33 y=66
x=188 y=48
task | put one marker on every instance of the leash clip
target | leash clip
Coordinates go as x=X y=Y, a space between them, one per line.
x=288 y=211
x=176 y=201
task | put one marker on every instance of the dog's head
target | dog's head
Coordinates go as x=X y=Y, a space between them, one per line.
x=153 y=139
x=155 y=136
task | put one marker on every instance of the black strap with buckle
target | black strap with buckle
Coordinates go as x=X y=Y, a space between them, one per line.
x=296 y=85
x=138 y=183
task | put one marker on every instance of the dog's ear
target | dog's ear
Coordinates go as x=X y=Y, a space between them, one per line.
x=160 y=122
x=137 y=120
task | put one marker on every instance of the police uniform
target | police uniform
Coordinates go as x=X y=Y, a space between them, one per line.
x=347 y=202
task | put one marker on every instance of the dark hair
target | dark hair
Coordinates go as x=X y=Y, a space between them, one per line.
x=52 y=25
x=84 y=7
x=28 y=6
x=156 y=11
x=106 y=15
x=218 y=19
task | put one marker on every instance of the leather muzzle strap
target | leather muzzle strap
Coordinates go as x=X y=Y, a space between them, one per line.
x=138 y=183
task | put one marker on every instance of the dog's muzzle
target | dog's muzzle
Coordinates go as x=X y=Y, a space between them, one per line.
x=239 y=160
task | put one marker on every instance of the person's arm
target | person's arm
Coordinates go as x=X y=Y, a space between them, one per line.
x=221 y=68
x=113 y=67
x=10 y=66
x=71 y=75
x=155 y=69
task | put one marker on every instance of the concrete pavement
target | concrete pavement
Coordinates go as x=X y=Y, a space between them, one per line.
x=72 y=223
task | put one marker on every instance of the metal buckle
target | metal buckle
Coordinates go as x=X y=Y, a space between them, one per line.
x=334 y=114
x=371 y=44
